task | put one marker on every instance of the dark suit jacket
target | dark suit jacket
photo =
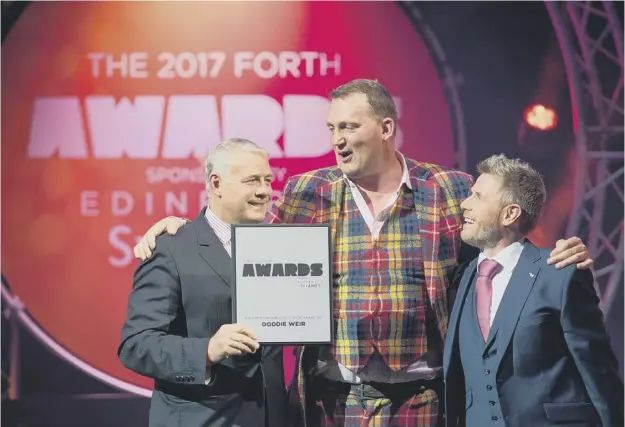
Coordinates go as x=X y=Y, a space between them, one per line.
x=554 y=362
x=180 y=298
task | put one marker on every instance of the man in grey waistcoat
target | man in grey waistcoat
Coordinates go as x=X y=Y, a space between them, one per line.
x=526 y=344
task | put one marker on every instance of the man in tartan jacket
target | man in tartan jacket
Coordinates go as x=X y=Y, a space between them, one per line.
x=395 y=226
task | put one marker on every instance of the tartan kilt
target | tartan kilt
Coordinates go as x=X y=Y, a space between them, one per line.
x=423 y=409
x=312 y=405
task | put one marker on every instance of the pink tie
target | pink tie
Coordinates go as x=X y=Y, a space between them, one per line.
x=485 y=273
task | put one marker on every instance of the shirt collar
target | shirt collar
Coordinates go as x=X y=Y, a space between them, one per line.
x=405 y=178
x=221 y=228
x=508 y=257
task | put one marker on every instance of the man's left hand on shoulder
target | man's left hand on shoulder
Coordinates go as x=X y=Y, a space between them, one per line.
x=570 y=251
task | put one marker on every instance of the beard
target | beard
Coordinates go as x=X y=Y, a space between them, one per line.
x=483 y=237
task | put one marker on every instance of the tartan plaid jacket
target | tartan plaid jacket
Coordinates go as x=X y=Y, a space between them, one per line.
x=315 y=197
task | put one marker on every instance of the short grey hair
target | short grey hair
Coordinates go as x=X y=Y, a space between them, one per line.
x=216 y=160
x=522 y=185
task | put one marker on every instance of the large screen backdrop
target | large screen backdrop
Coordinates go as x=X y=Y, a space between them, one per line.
x=108 y=105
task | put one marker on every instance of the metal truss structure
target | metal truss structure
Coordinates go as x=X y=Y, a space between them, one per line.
x=591 y=40
x=452 y=80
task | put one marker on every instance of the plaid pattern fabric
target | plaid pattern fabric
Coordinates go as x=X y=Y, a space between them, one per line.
x=316 y=197
x=379 y=289
x=421 y=410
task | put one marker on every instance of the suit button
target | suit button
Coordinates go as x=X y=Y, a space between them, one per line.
x=192 y=378
x=489 y=387
x=486 y=357
x=491 y=403
x=178 y=378
x=494 y=418
x=487 y=372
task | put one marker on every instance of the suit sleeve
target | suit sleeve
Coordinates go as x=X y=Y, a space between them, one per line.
x=148 y=346
x=588 y=342
x=455 y=187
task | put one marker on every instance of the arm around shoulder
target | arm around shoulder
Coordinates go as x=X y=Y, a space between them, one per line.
x=586 y=337
x=149 y=345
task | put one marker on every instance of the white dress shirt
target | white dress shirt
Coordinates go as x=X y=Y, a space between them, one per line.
x=375 y=223
x=222 y=229
x=508 y=258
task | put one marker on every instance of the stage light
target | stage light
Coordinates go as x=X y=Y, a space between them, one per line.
x=541 y=118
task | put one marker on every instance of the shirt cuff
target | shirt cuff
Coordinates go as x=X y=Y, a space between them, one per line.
x=208 y=376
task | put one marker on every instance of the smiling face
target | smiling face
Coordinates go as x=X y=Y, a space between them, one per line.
x=482 y=225
x=242 y=194
x=358 y=136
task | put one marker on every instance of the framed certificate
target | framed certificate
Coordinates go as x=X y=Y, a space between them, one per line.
x=282 y=282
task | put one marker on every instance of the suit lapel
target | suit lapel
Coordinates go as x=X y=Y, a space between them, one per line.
x=211 y=249
x=514 y=299
x=328 y=202
x=329 y=199
x=463 y=289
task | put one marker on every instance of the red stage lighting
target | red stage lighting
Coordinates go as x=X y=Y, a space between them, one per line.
x=540 y=117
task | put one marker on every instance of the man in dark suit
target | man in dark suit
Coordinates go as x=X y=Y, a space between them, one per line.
x=526 y=344
x=207 y=372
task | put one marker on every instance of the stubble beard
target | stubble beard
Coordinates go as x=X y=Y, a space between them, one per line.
x=487 y=237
